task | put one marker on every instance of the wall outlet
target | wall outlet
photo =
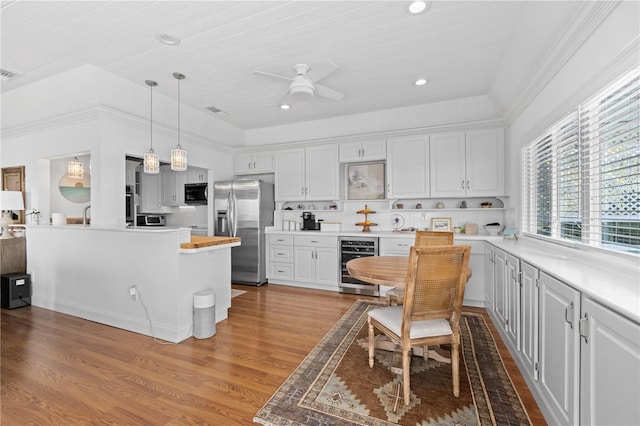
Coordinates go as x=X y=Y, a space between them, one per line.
x=133 y=292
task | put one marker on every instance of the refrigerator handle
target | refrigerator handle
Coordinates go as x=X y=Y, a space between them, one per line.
x=235 y=216
x=229 y=215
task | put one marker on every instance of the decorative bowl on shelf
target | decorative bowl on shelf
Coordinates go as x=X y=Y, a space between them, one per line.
x=486 y=205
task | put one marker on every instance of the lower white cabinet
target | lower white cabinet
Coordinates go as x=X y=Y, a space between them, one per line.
x=609 y=367
x=316 y=259
x=489 y=277
x=580 y=358
x=280 y=257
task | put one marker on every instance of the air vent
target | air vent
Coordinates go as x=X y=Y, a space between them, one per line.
x=6 y=73
x=216 y=111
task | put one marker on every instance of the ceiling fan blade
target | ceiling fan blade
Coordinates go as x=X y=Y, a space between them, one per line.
x=326 y=92
x=321 y=71
x=268 y=74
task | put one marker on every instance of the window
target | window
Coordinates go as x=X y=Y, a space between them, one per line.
x=581 y=177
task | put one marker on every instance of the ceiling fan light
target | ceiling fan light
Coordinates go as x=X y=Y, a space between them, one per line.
x=301 y=92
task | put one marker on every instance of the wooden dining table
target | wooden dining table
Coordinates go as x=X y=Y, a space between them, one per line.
x=390 y=271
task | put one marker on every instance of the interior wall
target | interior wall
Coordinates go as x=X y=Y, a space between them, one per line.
x=611 y=50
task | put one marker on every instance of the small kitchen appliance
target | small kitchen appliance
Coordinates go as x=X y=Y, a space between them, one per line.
x=150 y=220
x=309 y=222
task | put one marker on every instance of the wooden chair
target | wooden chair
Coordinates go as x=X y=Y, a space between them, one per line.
x=423 y=239
x=433 y=238
x=430 y=314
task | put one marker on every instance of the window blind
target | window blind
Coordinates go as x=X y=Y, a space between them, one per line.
x=582 y=176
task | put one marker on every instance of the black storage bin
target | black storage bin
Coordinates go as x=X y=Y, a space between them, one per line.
x=16 y=290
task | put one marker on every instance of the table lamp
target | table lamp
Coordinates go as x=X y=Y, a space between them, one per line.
x=9 y=201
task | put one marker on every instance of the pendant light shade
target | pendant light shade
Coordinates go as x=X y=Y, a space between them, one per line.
x=178 y=155
x=151 y=159
x=75 y=169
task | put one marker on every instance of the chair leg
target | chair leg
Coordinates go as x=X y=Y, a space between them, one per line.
x=371 y=343
x=455 y=372
x=406 y=374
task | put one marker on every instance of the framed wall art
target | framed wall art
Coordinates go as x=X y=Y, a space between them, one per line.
x=442 y=224
x=13 y=180
x=365 y=181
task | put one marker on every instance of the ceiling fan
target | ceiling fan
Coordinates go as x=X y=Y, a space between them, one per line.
x=304 y=84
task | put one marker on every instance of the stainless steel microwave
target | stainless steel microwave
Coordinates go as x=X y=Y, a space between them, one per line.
x=195 y=194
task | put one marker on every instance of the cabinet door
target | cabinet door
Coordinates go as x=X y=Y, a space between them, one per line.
x=242 y=164
x=529 y=318
x=447 y=160
x=196 y=175
x=304 y=266
x=374 y=150
x=559 y=349
x=322 y=173
x=350 y=152
x=326 y=265
x=500 y=262
x=407 y=167
x=150 y=196
x=610 y=367
x=168 y=188
x=485 y=163
x=289 y=175
x=262 y=162
x=489 y=277
x=474 y=290
x=513 y=300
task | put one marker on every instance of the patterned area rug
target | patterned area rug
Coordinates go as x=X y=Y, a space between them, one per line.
x=335 y=386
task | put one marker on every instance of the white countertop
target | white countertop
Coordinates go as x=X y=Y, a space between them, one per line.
x=611 y=279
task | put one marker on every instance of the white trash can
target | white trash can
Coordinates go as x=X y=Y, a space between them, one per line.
x=204 y=314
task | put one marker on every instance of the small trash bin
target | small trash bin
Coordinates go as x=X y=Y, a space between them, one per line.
x=204 y=314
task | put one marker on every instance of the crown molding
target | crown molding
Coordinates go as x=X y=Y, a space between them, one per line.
x=588 y=19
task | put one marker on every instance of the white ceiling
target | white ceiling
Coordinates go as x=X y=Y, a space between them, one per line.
x=467 y=48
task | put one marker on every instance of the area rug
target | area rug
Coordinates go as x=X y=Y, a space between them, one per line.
x=335 y=386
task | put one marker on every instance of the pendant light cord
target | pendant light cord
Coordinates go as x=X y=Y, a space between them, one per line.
x=179 y=114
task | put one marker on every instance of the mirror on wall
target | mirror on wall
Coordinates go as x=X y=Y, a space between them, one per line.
x=75 y=190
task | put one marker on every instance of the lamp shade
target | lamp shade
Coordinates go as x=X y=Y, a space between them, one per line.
x=11 y=200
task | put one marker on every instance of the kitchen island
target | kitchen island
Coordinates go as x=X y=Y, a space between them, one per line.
x=88 y=272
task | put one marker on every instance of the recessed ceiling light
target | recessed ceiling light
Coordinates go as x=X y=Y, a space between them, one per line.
x=167 y=39
x=285 y=106
x=421 y=82
x=418 y=7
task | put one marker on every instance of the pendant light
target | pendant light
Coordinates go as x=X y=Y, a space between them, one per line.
x=151 y=160
x=75 y=169
x=178 y=155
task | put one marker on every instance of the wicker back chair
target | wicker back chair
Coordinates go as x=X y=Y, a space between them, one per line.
x=430 y=314
x=433 y=238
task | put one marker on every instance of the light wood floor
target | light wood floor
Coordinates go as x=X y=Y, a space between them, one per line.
x=57 y=369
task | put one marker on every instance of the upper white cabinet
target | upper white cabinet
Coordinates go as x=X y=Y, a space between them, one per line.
x=150 y=193
x=258 y=162
x=363 y=151
x=173 y=187
x=467 y=164
x=408 y=167
x=196 y=175
x=307 y=174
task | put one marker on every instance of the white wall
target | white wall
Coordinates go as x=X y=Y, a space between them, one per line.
x=610 y=51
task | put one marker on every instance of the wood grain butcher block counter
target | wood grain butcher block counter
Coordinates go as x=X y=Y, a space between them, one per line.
x=200 y=241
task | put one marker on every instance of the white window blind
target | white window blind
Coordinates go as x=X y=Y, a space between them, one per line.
x=582 y=176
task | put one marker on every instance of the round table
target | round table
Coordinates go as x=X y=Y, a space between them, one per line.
x=382 y=270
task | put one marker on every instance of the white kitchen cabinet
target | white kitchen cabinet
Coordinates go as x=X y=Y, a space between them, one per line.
x=512 y=322
x=609 y=367
x=559 y=349
x=408 y=166
x=489 y=277
x=352 y=152
x=173 y=187
x=196 y=175
x=467 y=164
x=474 y=290
x=316 y=260
x=395 y=246
x=280 y=257
x=500 y=286
x=529 y=286
x=150 y=193
x=251 y=163
x=307 y=174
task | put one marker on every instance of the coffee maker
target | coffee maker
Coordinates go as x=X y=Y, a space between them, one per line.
x=309 y=222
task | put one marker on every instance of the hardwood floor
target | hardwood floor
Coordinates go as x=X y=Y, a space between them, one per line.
x=58 y=369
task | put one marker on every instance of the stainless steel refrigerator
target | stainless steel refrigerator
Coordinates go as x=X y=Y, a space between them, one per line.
x=243 y=208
